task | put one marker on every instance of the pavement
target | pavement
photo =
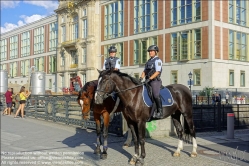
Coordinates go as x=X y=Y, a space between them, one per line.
x=31 y=141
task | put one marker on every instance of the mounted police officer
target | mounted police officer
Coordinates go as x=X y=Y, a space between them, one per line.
x=152 y=73
x=112 y=61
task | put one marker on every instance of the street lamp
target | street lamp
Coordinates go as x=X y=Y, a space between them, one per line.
x=190 y=77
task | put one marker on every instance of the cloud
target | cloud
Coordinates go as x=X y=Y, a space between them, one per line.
x=49 y=5
x=26 y=20
x=9 y=4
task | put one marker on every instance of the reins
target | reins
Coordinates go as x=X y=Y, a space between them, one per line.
x=113 y=93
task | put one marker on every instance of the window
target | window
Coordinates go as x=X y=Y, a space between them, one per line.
x=39 y=40
x=62 y=81
x=140 y=49
x=25 y=67
x=145 y=15
x=74 y=59
x=13 y=69
x=3 y=66
x=25 y=44
x=237 y=46
x=52 y=64
x=119 y=53
x=174 y=77
x=53 y=30
x=242 y=78
x=84 y=12
x=75 y=28
x=84 y=29
x=62 y=19
x=3 y=50
x=114 y=20
x=84 y=54
x=186 y=45
x=231 y=78
x=50 y=83
x=197 y=77
x=13 y=47
x=63 y=33
x=185 y=11
x=39 y=63
x=83 y=79
x=62 y=58
x=237 y=12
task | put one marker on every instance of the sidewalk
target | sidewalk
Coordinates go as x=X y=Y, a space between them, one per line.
x=37 y=142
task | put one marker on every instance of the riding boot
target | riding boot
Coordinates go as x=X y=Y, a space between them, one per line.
x=159 y=107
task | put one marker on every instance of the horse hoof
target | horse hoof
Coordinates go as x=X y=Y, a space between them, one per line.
x=97 y=151
x=126 y=145
x=193 y=154
x=140 y=162
x=103 y=156
x=176 y=154
x=132 y=162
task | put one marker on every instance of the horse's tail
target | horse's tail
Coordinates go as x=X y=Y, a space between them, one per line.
x=187 y=131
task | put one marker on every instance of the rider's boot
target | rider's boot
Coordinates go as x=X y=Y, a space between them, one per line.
x=159 y=107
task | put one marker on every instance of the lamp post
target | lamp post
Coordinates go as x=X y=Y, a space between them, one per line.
x=190 y=77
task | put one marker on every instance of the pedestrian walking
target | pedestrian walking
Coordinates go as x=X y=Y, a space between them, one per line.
x=8 y=96
x=23 y=98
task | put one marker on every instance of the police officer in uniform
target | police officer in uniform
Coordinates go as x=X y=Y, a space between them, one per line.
x=112 y=61
x=152 y=73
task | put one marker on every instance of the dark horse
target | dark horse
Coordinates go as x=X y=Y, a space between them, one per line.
x=137 y=113
x=106 y=110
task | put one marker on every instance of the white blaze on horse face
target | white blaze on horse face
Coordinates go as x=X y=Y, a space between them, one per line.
x=95 y=95
x=81 y=103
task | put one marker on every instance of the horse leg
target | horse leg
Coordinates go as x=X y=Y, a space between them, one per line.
x=134 y=132
x=141 y=135
x=105 y=134
x=179 y=130
x=98 y=131
x=127 y=143
x=190 y=129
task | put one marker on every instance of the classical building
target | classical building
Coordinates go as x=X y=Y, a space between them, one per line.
x=78 y=41
x=210 y=39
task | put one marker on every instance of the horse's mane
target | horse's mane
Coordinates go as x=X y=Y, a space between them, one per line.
x=93 y=83
x=108 y=72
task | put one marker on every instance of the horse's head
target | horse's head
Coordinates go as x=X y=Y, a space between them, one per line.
x=85 y=100
x=105 y=87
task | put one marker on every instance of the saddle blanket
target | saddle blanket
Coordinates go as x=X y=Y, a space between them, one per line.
x=165 y=94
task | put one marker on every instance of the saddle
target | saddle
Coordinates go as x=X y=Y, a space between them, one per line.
x=165 y=95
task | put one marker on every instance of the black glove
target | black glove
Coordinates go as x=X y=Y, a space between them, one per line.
x=140 y=79
x=147 y=81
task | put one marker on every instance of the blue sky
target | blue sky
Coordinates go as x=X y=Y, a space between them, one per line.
x=18 y=13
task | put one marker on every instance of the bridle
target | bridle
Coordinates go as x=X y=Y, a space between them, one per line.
x=106 y=94
x=86 y=113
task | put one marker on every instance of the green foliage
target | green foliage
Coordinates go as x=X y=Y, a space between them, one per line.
x=207 y=91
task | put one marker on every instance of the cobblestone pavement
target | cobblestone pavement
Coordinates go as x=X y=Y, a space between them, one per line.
x=36 y=142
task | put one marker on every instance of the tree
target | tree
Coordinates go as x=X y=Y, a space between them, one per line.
x=207 y=91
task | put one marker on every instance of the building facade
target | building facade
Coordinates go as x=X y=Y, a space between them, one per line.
x=78 y=41
x=210 y=39
x=31 y=45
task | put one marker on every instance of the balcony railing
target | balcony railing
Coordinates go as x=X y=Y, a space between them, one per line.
x=69 y=42
x=73 y=66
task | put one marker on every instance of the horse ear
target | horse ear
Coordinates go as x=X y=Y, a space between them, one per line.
x=99 y=71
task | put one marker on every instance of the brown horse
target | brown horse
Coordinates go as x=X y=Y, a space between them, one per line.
x=129 y=90
x=106 y=110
